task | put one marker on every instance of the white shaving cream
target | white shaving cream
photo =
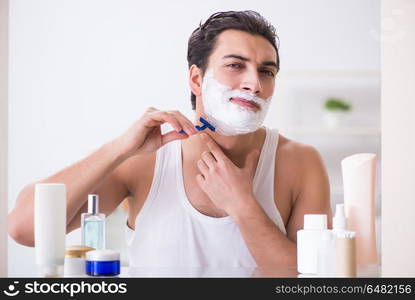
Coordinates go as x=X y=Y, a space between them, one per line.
x=227 y=117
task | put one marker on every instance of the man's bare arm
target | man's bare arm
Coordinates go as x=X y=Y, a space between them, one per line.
x=267 y=244
x=100 y=172
x=313 y=196
x=93 y=174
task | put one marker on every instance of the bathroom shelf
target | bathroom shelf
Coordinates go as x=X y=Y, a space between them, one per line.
x=345 y=131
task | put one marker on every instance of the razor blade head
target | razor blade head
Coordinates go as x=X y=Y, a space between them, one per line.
x=205 y=123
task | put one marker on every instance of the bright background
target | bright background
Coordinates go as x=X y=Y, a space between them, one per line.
x=82 y=71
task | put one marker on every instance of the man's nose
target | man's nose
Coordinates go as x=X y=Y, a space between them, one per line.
x=251 y=83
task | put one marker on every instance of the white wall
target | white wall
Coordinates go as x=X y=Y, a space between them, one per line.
x=82 y=71
x=4 y=19
x=398 y=145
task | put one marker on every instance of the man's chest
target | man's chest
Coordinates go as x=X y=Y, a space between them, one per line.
x=201 y=202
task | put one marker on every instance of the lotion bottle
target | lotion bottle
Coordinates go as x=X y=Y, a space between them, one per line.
x=346 y=254
x=359 y=174
x=50 y=228
x=308 y=241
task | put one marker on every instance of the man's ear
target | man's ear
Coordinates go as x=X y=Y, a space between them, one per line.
x=195 y=80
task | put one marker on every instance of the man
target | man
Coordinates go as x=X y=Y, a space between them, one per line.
x=233 y=197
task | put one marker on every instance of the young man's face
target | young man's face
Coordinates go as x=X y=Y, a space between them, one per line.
x=244 y=62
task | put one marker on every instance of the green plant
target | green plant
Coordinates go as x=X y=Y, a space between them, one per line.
x=333 y=104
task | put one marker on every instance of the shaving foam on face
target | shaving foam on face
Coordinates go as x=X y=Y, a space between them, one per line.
x=230 y=118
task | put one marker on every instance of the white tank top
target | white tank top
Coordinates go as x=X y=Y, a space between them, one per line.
x=170 y=232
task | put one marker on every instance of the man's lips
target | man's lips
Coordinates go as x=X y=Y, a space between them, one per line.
x=244 y=102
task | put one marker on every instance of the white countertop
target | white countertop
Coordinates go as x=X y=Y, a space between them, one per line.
x=372 y=270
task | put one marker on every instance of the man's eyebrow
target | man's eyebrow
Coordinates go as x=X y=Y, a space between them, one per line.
x=236 y=56
x=264 y=63
x=270 y=63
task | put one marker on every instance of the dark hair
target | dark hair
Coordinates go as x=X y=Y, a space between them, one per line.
x=203 y=39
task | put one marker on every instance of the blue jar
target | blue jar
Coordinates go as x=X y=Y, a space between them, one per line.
x=102 y=263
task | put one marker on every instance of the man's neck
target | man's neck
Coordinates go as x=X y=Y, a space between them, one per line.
x=235 y=147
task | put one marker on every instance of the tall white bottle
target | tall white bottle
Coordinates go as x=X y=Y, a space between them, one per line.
x=359 y=183
x=308 y=242
x=50 y=227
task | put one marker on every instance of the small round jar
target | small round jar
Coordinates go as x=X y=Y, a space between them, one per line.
x=103 y=263
x=75 y=260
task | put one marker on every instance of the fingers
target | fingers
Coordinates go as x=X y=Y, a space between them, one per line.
x=208 y=159
x=205 y=164
x=175 y=118
x=214 y=148
x=151 y=109
x=187 y=125
x=172 y=136
x=203 y=168
x=200 y=180
x=156 y=118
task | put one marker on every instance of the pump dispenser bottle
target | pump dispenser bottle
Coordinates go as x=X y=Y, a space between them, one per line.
x=339 y=220
x=327 y=249
x=93 y=224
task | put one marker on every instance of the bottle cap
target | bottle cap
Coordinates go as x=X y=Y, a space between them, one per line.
x=339 y=220
x=77 y=251
x=102 y=255
x=315 y=221
x=93 y=204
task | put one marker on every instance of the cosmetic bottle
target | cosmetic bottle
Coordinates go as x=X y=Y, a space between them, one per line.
x=327 y=249
x=346 y=254
x=339 y=219
x=308 y=241
x=326 y=261
x=359 y=172
x=50 y=228
x=103 y=263
x=93 y=225
x=75 y=265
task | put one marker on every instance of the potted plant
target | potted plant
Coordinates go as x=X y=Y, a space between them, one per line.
x=335 y=109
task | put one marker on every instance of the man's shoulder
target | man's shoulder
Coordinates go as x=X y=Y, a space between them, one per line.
x=295 y=150
x=297 y=161
x=295 y=164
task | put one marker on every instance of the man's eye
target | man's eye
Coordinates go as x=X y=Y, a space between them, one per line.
x=235 y=66
x=268 y=73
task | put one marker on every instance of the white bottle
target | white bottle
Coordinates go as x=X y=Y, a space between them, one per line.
x=50 y=227
x=359 y=185
x=326 y=266
x=75 y=265
x=308 y=241
x=93 y=225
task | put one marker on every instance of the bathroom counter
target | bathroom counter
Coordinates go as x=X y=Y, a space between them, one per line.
x=128 y=272
x=362 y=271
